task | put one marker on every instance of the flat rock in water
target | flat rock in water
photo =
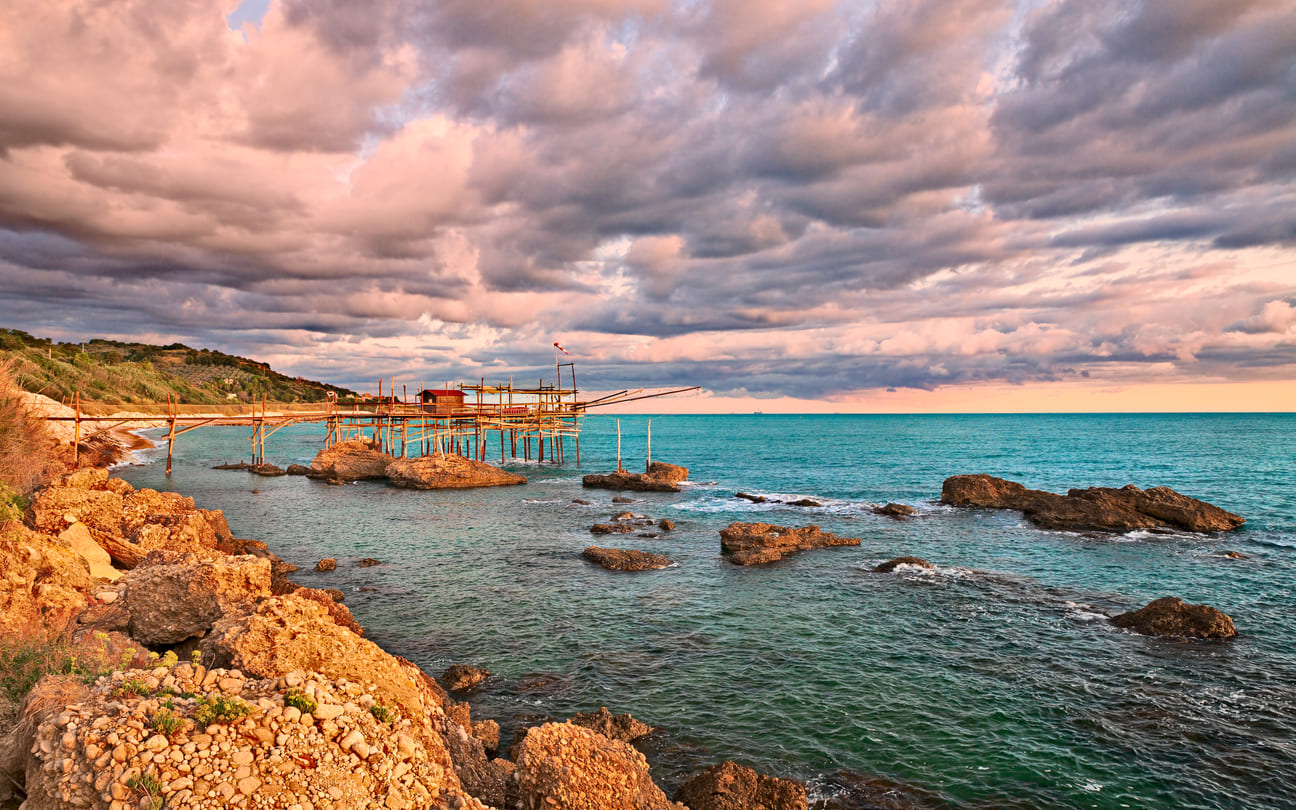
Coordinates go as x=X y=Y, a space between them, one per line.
x=611 y=528
x=460 y=677
x=268 y=470
x=898 y=511
x=298 y=469
x=353 y=460
x=1174 y=618
x=617 y=499
x=760 y=543
x=891 y=565
x=618 y=559
x=238 y=465
x=621 y=727
x=368 y=562
x=447 y=471
x=804 y=502
x=1094 y=509
x=660 y=477
x=730 y=786
x=753 y=498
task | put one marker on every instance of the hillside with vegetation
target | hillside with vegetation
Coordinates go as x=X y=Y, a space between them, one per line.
x=114 y=373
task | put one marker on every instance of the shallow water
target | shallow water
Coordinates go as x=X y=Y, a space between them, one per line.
x=992 y=681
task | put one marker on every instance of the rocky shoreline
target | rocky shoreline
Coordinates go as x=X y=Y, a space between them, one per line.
x=238 y=688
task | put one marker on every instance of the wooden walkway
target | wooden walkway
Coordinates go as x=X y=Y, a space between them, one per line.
x=541 y=422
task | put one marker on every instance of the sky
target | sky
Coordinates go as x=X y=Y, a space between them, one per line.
x=801 y=205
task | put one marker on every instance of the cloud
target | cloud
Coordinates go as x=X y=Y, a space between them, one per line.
x=769 y=198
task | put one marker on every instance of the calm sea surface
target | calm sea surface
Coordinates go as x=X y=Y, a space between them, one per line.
x=992 y=681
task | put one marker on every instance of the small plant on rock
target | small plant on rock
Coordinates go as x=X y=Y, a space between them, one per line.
x=131 y=686
x=150 y=789
x=220 y=709
x=300 y=701
x=166 y=722
x=382 y=714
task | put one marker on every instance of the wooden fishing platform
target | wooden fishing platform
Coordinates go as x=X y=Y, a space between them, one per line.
x=540 y=422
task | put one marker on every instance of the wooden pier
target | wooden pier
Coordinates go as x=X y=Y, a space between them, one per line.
x=540 y=423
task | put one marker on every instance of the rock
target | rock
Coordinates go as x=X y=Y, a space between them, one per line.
x=666 y=525
x=479 y=777
x=448 y=471
x=660 y=477
x=580 y=502
x=899 y=511
x=621 y=727
x=561 y=765
x=88 y=753
x=172 y=601
x=1093 y=509
x=268 y=470
x=44 y=582
x=1172 y=617
x=619 y=499
x=237 y=465
x=611 y=528
x=283 y=634
x=368 y=562
x=49 y=697
x=100 y=511
x=78 y=538
x=891 y=565
x=616 y=559
x=354 y=460
x=298 y=469
x=461 y=677
x=326 y=564
x=804 y=502
x=488 y=731
x=752 y=498
x=760 y=543
x=331 y=599
x=1235 y=555
x=730 y=786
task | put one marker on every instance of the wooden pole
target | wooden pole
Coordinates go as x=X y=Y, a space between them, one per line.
x=170 y=431
x=618 y=445
x=76 y=436
x=649 y=467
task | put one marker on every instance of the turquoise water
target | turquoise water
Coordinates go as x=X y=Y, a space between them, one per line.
x=993 y=681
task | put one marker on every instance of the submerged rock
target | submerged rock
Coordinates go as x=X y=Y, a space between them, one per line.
x=1235 y=555
x=804 y=502
x=899 y=511
x=448 y=471
x=730 y=786
x=353 y=460
x=460 y=677
x=298 y=469
x=368 y=562
x=760 y=543
x=666 y=525
x=267 y=469
x=617 y=499
x=562 y=765
x=611 y=528
x=753 y=498
x=621 y=727
x=1173 y=617
x=1093 y=509
x=617 y=559
x=660 y=477
x=891 y=565
x=326 y=564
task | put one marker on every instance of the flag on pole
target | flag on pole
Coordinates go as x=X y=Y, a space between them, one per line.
x=561 y=349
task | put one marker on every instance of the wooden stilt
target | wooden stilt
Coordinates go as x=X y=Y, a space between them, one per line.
x=76 y=435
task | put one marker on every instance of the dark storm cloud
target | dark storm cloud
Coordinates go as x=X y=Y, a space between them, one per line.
x=912 y=194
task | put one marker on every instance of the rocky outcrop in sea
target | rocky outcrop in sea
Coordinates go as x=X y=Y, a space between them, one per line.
x=761 y=543
x=1101 y=509
x=1174 y=618
x=621 y=559
x=660 y=477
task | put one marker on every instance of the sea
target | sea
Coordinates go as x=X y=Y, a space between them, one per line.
x=993 y=680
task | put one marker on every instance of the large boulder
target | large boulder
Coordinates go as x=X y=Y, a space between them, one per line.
x=1093 y=509
x=565 y=766
x=620 y=559
x=448 y=471
x=730 y=786
x=78 y=538
x=462 y=677
x=182 y=596
x=45 y=581
x=340 y=754
x=286 y=633
x=1173 y=617
x=353 y=460
x=660 y=477
x=760 y=543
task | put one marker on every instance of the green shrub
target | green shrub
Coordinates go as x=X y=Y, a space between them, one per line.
x=166 y=722
x=25 y=659
x=300 y=700
x=131 y=686
x=220 y=709
x=382 y=714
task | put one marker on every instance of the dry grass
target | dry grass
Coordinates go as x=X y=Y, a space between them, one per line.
x=27 y=459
